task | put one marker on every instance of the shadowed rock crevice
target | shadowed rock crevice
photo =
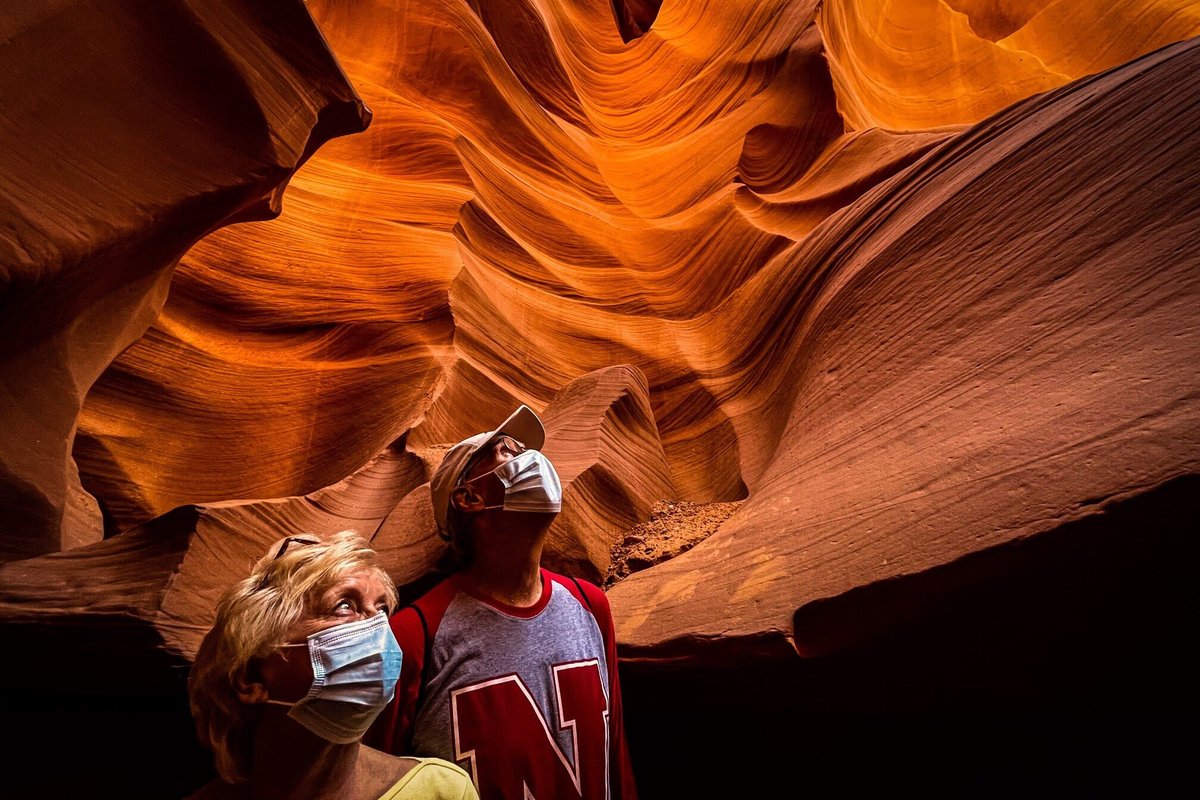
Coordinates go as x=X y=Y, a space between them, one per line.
x=634 y=17
x=674 y=527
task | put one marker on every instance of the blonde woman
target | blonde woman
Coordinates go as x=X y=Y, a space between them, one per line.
x=298 y=664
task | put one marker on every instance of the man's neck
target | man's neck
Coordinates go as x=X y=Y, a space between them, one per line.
x=506 y=566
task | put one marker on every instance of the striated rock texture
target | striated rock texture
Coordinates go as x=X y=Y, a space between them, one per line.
x=908 y=283
x=927 y=63
x=1000 y=341
x=127 y=133
x=537 y=199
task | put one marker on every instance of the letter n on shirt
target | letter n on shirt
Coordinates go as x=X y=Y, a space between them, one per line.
x=512 y=754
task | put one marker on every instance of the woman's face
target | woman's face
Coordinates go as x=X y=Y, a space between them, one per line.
x=287 y=673
x=357 y=596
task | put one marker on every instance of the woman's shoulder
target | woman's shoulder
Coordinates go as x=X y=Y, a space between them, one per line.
x=433 y=779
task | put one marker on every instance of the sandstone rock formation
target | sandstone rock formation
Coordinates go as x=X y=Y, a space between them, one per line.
x=909 y=282
x=128 y=134
x=530 y=205
x=992 y=345
x=601 y=436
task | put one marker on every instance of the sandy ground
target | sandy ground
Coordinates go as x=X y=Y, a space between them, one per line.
x=673 y=528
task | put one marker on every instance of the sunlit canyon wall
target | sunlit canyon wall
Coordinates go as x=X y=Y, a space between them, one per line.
x=913 y=283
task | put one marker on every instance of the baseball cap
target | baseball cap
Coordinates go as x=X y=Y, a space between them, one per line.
x=522 y=425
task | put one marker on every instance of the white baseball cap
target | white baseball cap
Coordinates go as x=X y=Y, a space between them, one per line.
x=522 y=425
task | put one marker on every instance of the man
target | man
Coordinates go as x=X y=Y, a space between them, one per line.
x=509 y=670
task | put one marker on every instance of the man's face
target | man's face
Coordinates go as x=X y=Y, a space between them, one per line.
x=481 y=473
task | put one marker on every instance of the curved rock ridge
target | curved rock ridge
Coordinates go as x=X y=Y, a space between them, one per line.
x=538 y=199
x=129 y=131
x=928 y=63
x=167 y=575
x=163 y=579
x=601 y=436
x=999 y=342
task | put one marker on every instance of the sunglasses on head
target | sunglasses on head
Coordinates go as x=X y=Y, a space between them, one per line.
x=289 y=540
x=305 y=540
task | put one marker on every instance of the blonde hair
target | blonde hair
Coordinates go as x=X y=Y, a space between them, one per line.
x=253 y=618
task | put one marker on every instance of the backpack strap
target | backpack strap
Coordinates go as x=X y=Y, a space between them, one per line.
x=581 y=594
x=428 y=648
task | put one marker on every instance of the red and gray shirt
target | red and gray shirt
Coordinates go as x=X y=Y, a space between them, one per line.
x=526 y=700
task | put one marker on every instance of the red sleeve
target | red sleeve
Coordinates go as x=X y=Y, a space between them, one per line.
x=391 y=730
x=623 y=786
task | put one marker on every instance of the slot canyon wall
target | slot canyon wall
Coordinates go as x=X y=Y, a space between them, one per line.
x=865 y=334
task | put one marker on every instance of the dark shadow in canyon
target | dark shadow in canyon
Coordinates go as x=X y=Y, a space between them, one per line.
x=1063 y=662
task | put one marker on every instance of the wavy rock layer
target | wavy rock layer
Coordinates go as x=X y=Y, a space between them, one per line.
x=538 y=199
x=847 y=309
x=129 y=133
x=999 y=343
x=161 y=581
x=927 y=63
x=165 y=577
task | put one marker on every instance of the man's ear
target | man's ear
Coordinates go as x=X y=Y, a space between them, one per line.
x=248 y=684
x=465 y=499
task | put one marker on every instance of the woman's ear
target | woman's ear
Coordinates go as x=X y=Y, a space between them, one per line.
x=248 y=684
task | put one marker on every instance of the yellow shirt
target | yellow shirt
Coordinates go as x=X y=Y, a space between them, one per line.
x=433 y=779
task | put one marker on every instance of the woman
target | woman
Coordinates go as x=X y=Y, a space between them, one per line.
x=298 y=664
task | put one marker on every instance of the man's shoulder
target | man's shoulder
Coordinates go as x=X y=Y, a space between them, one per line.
x=586 y=592
x=424 y=614
x=439 y=595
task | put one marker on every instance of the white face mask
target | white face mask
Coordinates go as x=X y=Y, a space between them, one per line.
x=530 y=483
x=355 y=669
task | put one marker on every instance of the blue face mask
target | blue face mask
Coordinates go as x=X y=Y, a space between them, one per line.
x=355 y=669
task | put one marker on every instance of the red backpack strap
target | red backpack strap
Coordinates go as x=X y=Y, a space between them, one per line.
x=415 y=627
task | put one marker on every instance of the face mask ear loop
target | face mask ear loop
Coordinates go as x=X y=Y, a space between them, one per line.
x=285 y=703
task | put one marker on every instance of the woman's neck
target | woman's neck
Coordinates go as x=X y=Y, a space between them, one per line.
x=289 y=761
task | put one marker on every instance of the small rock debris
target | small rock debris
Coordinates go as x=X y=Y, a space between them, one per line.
x=674 y=527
